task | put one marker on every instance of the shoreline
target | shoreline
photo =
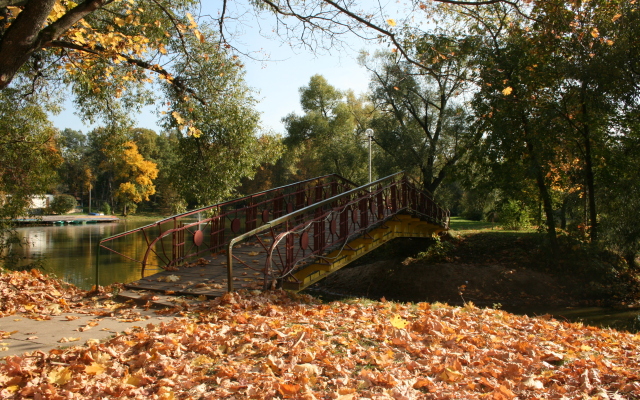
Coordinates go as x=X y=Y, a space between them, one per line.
x=66 y=219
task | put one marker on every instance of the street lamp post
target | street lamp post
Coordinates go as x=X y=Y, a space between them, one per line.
x=369 y=133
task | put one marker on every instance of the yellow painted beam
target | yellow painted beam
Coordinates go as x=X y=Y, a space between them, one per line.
x=400 y=226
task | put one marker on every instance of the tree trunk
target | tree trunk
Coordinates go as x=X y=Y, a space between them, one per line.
x=590 y=181
x=563 y=213
x=630 y=258
x=545 y=196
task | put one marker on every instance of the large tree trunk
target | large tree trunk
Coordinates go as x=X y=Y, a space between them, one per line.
x=26 y=34
x=22 y=38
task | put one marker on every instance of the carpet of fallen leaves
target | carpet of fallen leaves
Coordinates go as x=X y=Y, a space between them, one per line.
x=36 y=294
x=278 y=345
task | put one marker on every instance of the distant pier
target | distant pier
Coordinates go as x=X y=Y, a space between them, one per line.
x=66 y=220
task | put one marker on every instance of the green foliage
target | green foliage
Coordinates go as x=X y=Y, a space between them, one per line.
x=106 y=208
x=28 y=159
x=513 y=215
x=421 y=124
x=329 y=137
x=217 y=143
x=439 y=251
x=63 y=203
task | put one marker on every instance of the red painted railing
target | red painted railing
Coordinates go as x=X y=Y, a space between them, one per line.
x=304 y=236
x=209 y=229
x=292 y=225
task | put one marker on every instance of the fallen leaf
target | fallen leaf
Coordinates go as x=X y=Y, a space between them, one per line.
x=399 y=322
x=287 y=389
x=68 y=339
x=308 y=369
x=60 y=376
x=94 y=369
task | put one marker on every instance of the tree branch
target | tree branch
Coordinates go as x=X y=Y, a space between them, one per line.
x=175 y=81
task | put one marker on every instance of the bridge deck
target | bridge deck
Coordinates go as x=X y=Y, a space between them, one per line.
x=206 y=276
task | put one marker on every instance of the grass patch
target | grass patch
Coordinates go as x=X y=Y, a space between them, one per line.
x=460 y=224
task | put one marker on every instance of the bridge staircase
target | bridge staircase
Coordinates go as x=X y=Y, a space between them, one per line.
x=289 y=237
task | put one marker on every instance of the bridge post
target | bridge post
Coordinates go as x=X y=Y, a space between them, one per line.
x=364 y=209
x=394 y=197
x=344 y=223
x=380 y=201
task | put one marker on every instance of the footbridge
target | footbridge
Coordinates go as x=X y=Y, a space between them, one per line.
x=288 y=237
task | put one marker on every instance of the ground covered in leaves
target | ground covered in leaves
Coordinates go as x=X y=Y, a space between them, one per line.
x=276 y=345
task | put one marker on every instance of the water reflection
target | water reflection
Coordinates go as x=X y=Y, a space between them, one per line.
x=69 y=252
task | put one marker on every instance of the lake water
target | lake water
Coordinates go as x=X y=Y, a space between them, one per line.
x=69 y=251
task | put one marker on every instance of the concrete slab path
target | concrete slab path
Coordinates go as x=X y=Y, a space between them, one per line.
x=68 y=329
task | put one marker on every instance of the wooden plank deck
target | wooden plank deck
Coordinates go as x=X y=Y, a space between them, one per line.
x=206 y=276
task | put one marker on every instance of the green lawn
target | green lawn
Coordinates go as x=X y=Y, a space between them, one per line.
x=459 y=224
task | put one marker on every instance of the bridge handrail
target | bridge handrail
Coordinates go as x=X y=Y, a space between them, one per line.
x=225 y=203
x=315 y=206
x=261 y=197
x=306 y=198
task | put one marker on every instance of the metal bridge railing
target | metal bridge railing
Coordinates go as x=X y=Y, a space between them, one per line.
x=291 y=226
x=301 y=237
x=209 y=229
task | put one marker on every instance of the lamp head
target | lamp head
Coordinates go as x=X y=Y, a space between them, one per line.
x=369 y=132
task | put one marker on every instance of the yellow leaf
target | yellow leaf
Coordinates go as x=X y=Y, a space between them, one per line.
x=507 y=91
x=595 y=33
x=192 y=21
x=178 y=117
x=60 y=376
x=449 y=375
x=399 y=322
x=198 y=35
x=195 y=132
x=12 y=389
x=17 y=10
x=615 y=17
x=119 y=21
x=95 y=369
x=391 y=22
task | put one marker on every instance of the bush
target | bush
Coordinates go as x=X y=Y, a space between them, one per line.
x=514 y=216
x=63 y=203
x=106 y=208
x=438 y=251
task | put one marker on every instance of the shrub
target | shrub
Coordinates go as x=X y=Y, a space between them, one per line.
x=106 y=208
x=438 y=251
x=63 y=203
x=514 y=215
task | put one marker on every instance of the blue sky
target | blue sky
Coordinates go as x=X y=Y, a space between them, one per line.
x=275 y=82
